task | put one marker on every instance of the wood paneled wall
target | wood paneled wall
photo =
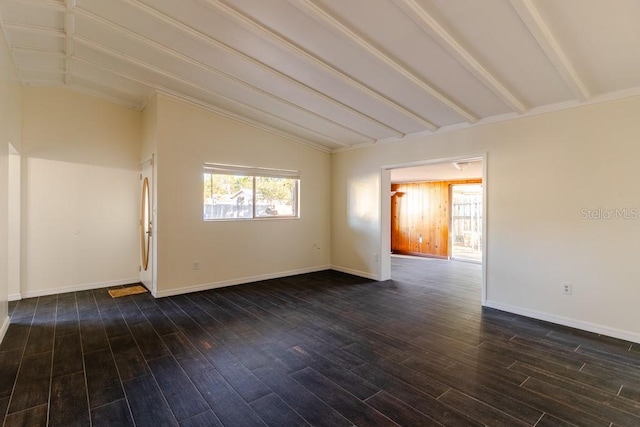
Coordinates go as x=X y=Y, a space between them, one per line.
x=420 y=217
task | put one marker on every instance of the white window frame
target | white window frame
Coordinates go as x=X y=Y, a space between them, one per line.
x=256 y=172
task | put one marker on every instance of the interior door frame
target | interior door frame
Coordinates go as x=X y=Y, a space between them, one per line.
x=384 y=266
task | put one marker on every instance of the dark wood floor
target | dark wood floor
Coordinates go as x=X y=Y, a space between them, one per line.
x=323 y=349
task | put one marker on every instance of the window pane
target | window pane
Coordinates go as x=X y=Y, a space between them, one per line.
x=228 y=196
x=276 y=196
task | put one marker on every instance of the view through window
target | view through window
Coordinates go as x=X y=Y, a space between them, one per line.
x=239 y=192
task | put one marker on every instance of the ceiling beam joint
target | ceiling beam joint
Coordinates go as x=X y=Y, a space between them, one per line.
x=251 y=25
x=440 y=35
x=325 y=18
x=543 y=35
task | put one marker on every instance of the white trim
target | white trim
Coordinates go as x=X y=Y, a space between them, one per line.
x=239 y=281
x=47 y=4
x=15 y=297
x=485 y=222
x=34 y=29
x=79 y=287
x=566 y=321
x=507 y=117
x=385 y=212
x=4 y=327
x=355 y=272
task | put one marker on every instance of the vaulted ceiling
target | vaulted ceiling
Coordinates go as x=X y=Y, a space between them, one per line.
x=335 y=73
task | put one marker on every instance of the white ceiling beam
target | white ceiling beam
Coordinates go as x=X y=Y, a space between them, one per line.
x=325 y=18
x=138 y=63
x=197 y=63
x=34 y=29
x=69 y=30
x=51 y=71
x=48 y=4
x=28 y=50
x=263 y=32
x=441 y=36
x=546 y=40
x=193 y=62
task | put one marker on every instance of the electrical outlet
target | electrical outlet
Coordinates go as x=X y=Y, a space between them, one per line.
x=196 y=265
x=566 y=288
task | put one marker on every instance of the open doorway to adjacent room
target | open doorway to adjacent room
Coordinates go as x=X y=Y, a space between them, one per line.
x=435 y=215
x=465 y=232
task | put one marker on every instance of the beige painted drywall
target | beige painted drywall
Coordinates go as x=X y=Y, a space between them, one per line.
x=544 y=174
x=81 y=161
x=10 y=133
x=231 y=252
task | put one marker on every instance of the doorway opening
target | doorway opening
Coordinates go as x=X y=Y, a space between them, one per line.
x=465 y=233
x=436 y=210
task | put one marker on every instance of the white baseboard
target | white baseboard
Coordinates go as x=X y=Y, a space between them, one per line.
x=15 y=297
x=4 y=327
x=80 y=287
x=240 y=281
x=355 y=272
x=565 y=321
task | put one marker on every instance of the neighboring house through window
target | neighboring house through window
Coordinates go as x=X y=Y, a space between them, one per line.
x=241 y=192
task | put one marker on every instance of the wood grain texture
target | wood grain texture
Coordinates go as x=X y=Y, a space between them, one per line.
x=324 y=348
x=420 y=217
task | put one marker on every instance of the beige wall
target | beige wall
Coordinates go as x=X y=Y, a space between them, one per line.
x=231 y=252
x=10 y=133
x=81 y=160
x=542 y=172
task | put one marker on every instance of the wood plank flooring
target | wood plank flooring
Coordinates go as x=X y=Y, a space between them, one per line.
x=322 y=349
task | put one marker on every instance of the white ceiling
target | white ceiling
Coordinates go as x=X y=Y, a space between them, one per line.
x=335 y=73
x=469 y=169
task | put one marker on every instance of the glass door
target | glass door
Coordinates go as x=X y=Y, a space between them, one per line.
x=466 y=222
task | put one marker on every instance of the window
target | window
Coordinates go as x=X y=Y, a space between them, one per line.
x=239 y=192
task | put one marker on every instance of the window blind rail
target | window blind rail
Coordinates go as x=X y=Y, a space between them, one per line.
x=215 y=168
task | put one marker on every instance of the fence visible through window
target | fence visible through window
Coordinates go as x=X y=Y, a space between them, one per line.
x=466 y=222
